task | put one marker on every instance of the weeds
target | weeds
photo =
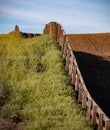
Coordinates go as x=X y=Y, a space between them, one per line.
x=39 y=91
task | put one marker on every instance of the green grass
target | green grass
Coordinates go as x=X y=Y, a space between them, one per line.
x=37 y=86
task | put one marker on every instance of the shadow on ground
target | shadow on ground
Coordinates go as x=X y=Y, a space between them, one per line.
x=96 y=73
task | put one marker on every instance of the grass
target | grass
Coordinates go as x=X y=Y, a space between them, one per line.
x=37 y=86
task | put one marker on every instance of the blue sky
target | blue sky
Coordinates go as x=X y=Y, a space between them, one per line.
x=76 y=16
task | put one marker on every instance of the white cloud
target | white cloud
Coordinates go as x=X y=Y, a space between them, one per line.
x=69 y=17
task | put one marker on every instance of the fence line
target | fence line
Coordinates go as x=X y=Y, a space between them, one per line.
x=93 y=112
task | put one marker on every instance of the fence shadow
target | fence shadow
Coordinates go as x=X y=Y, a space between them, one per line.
x=96 y=73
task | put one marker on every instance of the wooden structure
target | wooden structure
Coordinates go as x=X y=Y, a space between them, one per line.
x=93 y=111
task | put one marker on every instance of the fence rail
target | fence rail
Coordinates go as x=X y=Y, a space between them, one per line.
x=93 y=112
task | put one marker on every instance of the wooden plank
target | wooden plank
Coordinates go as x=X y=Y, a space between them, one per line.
x=65 y=50
x=77 y=83
x=88 y=114
x=107 y=125
x=84 y=95
x=70 y=67
x=50 y=29
x=100 y=125
x=60 y=41
x=71 y=59
x=80 y=92
x=94 y=115
x=73 y=75
x=59 y=29
x=69 y=47
x=63 y=42
x=67 y=60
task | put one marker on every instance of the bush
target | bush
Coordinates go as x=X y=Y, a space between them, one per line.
x=38 y=87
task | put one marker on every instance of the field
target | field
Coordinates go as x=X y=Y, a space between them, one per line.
x=93 y=55
x=36 y=92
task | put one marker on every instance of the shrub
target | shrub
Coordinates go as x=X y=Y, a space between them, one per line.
x=38 y=87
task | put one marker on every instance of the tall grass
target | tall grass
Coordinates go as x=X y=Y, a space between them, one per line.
x=37 y=86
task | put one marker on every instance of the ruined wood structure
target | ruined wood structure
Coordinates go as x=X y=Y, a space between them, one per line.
x=93 y=111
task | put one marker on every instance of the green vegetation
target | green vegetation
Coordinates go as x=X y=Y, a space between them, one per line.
x=37 y=86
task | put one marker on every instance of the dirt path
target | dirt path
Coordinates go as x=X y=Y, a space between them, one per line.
x=92 y=52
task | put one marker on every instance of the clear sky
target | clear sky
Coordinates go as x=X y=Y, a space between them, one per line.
x=76 y=16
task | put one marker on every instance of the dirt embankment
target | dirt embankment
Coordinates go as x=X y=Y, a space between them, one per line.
x=92 y=52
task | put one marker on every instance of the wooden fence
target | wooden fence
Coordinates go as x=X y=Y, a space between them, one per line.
x=93 y=111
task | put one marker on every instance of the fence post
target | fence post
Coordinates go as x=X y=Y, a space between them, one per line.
x=107 y=125
x=67 y=60
x=84 y=99
x=100 y=126
x=50 y=29
x=94 y=115
x=80 y=92
x=53 y=30
x=71 y=66
x=63 y=42
x=65 y=50
x=88 y=114
x=58 y=35
x=77 y=82
x=74 y=75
